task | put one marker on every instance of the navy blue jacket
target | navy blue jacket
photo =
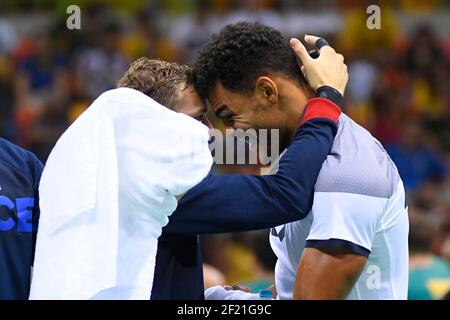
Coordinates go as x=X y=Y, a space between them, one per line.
x=234 y=203
x=20 y=172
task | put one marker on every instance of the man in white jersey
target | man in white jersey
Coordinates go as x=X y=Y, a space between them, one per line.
x=354 y=242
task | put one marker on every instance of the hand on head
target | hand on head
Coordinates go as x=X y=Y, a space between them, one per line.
x=328 y=69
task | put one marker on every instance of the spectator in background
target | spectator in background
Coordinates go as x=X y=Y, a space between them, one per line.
x=444 y=245
x=41 y=66
x=365 y=52
x=429 y=276
x=137 y=43
x=8 y=37
x=416 y=162
x=265 y=261
x=192 y=31
x=425 y=65
x=240 y=260
x=244 y=259
x=424 y=52
x=42 y=91
x=99 y=68
x=50 y=126
x=358 y=41
x=257 y=11
x=388 y=112
x=6 y=98
x=212 y=276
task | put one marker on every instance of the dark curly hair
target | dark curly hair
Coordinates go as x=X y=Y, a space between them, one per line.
x=239 y=54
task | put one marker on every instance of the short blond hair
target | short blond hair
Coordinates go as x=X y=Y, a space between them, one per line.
x=160 y=80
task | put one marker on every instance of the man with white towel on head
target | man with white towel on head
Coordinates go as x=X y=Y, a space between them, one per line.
x=110 y=184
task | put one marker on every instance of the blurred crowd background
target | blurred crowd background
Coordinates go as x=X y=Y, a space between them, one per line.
x=398 y=89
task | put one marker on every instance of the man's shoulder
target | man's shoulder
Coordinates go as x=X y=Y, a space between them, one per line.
x=20 y=160
x=7 y=146
x=356 y=164
x=14 y=154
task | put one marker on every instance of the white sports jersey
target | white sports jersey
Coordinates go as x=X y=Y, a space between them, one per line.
x=359 y=204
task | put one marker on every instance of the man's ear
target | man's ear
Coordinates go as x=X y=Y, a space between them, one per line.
x=267 y=89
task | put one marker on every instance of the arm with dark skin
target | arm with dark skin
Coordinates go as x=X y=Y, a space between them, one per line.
x=327 y=273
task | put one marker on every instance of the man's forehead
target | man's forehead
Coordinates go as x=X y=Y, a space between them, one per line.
x=220 y=96
x=190 y=102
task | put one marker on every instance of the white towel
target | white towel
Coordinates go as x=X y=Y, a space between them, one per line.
x=220 y=293
x=107 y=190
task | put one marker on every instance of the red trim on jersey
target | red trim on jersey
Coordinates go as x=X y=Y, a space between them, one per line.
x=321 y=108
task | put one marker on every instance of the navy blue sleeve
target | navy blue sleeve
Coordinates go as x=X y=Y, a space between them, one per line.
x=234 y=203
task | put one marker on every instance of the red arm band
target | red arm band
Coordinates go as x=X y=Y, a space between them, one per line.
x=321 y=108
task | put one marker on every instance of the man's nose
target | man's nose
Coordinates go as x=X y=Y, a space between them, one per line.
x=228 y=124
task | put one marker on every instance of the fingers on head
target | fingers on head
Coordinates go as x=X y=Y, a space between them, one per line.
x=310 y=39
x=327 y=50
x=300 y=50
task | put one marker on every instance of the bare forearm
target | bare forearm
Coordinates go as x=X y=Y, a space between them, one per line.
x=327 y=274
